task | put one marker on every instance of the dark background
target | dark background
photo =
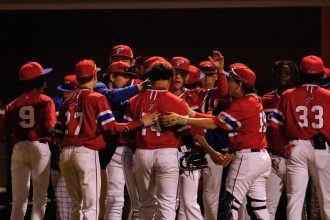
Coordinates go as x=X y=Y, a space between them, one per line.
x=59 y=38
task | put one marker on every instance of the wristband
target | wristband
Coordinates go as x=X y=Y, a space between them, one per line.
x=141 y=122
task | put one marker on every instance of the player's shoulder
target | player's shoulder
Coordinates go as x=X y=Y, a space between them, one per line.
x=270 y=95
x=291 y=91
x=173 y=98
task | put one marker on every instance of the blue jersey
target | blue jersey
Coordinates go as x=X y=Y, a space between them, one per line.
x=218 y=138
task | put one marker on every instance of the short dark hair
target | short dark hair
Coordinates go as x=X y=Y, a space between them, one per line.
x=159 y=71
x=310 y=78
x=35 y=83
x=83 y=80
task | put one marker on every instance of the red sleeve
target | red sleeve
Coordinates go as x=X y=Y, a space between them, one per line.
x=50 y=114
x=124 y=127
x=201 y=115
x=222 y=85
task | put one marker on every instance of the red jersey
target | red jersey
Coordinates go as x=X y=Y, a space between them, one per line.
x=156 y=100
x=304 y=111
x=30 y=117
x=82 y=118
x=194 y=101
x=246 y=121
x=275 y=139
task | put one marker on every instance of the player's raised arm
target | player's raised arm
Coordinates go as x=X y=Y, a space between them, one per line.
x=222 y=84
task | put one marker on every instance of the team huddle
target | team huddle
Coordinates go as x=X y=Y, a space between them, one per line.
x=158 y=126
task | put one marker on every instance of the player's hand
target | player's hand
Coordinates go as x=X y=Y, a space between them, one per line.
x=172 y=119
x=217 y=157
x=287 y=150
x=218 y=61
x=227 y=159
x=144 y=85
x=150 y=119
x=275 y=164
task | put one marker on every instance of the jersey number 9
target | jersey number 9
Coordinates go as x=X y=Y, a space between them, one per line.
x=26 y=113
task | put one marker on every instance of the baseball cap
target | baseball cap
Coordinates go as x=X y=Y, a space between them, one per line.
x=32 y=70
x=235 y=65
x=69 y=84
x=122 y=68
x=194 y=76
x=180 y=63
x=207 y=67
x=155 y=59
x=326 y=71
x=311 y=65
x=86 y=68
x=243 y=74
x=121 y=51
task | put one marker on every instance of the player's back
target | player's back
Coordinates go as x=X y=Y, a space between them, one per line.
x=30 y=116
x=306 y=111
x=161 y=101
x=81 y=113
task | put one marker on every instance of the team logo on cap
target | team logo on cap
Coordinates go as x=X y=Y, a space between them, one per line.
x=179 y=62
x=119 y=50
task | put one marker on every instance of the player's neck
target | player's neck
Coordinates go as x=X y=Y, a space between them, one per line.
x=89 y=85
x=177 y=92
x=161 y=84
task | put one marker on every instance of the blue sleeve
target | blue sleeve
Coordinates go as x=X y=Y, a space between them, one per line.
x=58 y=100
x=116 y=95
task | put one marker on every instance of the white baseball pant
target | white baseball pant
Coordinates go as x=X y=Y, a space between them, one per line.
x=275 y=184
x=128 y=169
x=247 y=177
x=63 y=201
x=80 y=167
x=157 y=175
x=30 y=159
x=305 y=158
x=114 y=201
x=188 y=192
x=211 y=189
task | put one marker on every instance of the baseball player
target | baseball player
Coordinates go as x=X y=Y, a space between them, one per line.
x=245 y=119
x=29 y=120
x=63 y=201
x=285 y=74
x=188 y=181
x=119 y=72
x=302 y=115
x=156 y=156
x=116 y=96
x=81 y=118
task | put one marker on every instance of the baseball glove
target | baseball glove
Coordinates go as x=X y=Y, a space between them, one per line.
x=191 y=161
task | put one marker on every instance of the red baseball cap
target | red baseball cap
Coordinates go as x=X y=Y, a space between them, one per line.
x=32 y=70
x=311 y=65
x=326 y=72
x=148 y=62
x=121 y=51
x=180 y=63
x=194 y=76
x=86 y=68
x=243 y=74
x=69 y=84
x=235 y=65
x=207 y=67
x=122 y=68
